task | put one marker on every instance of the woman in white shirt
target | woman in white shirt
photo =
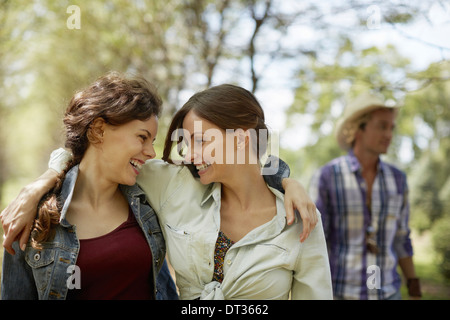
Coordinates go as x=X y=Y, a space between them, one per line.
x=226 y=232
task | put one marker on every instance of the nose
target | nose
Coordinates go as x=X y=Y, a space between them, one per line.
x=149 y=151
x=192 y=156
x=389 y=133
x=188 y=156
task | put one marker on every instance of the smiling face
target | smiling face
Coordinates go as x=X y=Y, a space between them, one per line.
x=125 y=148
x=207 y=148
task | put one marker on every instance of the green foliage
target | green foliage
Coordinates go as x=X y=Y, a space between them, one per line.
x=441 y=244
x=326 y=88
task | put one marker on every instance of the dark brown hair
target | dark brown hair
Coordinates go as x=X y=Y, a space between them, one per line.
x=226 y=106
x=113 y=97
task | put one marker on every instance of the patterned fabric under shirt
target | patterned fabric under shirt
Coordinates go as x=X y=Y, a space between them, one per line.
x=222 y=246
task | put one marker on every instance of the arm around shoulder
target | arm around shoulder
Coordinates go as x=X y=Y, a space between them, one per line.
x=18 y=216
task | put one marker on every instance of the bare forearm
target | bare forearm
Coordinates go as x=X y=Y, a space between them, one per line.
x=412 y=282
x=407 y=267
x=18 y=216
x=296 y=197
x=38 y=188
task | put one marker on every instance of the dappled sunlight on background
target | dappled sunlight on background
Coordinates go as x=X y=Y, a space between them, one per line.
x=302 y=59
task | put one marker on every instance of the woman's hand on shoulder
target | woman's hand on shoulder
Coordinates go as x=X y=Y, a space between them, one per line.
x=18 y=217
x=296 y=198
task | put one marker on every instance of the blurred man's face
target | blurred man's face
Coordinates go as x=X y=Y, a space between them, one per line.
x=378 y=132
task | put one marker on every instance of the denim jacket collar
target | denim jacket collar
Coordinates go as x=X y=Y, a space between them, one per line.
x=133 y=192
x=67 y=193
x=68 y=188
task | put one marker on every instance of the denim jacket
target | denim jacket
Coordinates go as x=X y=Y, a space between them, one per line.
x=43 y=274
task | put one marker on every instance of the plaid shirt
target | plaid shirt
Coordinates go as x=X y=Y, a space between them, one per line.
x=339 y=191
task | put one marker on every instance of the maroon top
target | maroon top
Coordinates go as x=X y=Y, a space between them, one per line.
x=117 y=265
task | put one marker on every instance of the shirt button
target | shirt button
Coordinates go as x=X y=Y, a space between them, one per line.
x=228 y=262
x=37 y=256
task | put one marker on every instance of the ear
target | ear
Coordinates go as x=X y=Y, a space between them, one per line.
x=242 y=138
x=96 y=130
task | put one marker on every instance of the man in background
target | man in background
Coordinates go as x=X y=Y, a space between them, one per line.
x=364 y=206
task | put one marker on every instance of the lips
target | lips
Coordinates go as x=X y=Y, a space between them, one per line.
x=136 y=164
x=202 y=167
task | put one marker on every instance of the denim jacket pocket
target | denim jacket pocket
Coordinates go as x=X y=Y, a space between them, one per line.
x=42 y=263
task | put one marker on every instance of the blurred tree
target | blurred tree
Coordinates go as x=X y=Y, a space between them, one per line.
x=183 y=46
x=423 y=122
x=325 y=88
x=429 y=109
x=14 y=26
x=430 y=178
x=43 y=62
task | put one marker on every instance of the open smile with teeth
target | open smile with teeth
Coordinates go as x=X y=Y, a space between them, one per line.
x=203 y=166
x=137 y=165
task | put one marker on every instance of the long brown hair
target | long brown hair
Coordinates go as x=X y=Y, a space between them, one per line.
x=115 y=98
x=226 y=106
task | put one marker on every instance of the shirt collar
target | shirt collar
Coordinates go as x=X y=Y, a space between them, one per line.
x=356 y=166
x=214 y=191
x=133 y=191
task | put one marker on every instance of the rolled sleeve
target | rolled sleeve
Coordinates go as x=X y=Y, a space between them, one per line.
x=59 y=159
x=312 y=278
x=274 y=171
x=402 y=241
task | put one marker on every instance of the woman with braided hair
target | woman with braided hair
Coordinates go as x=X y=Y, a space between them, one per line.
x=96 y=219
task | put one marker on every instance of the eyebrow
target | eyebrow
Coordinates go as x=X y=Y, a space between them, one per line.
x=198 y=132
x=146 y=131
x=192 y=136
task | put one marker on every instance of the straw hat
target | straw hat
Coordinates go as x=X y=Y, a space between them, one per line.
x=348 y=124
